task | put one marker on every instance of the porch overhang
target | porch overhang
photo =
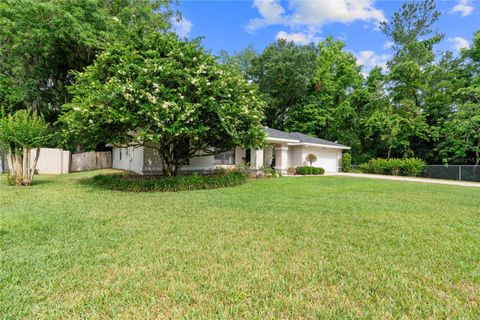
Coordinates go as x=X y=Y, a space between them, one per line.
x=318 y=145
x=281 y=141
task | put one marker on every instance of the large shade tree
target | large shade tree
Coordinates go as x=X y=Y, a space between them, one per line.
x=461 y=133
x=41 y=41
x=168 y=94
x=327 y=112
x=284 y=74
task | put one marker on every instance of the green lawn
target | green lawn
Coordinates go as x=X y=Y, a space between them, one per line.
x=289 y=248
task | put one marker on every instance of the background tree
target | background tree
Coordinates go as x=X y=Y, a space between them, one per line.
x=411 y=31
x=43 y=40
x=327 y=112
x=19 y=134
x=283 y=73
x=243 y=60
x=461 y=134
x=169 y=95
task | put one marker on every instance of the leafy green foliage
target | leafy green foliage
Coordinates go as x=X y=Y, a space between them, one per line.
x=169 y=94
x=311 y=158
x=269 y=172
x=347 y=162
x=461 y=133
x=327 y=111
x=43 y=41
x=120 y=182
x=23 y=129
x=393 y=166
x=19 y=134
x=283 y=73
x=407 y=110
x=308 y=170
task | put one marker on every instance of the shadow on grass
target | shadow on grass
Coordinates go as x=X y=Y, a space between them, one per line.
x=39 y=182
x=35 y=183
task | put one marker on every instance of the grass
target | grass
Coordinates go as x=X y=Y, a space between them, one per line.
x=306 y=247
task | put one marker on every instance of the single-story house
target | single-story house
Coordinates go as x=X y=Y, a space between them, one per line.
x=283 y=150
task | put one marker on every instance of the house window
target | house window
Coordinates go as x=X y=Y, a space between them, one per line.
x=120 y=154
x=224 y=158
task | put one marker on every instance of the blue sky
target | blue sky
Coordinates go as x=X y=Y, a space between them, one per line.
x=233 y=25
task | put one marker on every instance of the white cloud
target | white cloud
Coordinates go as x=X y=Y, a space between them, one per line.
x=464 y=7
x=298 y=37
x=388 y=45
x=271 y=11
x=309 y=16
x=369 y=59
x=459 y=43
x=317 y=13
x=182 y=27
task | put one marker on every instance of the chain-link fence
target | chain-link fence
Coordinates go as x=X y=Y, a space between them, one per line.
x=453 y=172
x=449 y=172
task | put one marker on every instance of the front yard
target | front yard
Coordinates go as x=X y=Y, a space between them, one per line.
x=309 y=247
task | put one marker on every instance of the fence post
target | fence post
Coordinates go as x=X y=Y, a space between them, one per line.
x=460 y=173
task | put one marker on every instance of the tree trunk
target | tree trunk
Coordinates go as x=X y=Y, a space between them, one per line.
x=167 y=163
x=25 y=166
x=17 y=166
x=22 y=169
x=34 y=165
x=10 y=161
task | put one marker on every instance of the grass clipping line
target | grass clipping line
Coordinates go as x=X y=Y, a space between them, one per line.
x=130 y=183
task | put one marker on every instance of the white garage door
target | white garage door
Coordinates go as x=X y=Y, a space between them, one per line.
x=325 y=158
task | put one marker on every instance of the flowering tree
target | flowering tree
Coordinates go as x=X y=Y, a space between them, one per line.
x=19 y=134
x=169 y=95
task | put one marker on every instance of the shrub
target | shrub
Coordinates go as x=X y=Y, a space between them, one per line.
x=311 y=158
x=413 y=166
x=347 y=162
x=266 y=171
x=393 y=166
x=309 y=170
x=120 y=182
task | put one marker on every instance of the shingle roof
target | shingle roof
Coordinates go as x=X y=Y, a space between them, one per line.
x=274 y=133
x=300 y=137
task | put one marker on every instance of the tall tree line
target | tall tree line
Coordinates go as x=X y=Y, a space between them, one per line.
x=424 y=104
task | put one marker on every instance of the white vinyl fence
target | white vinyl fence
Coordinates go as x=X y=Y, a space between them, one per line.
x=58 y=161
x=91 y=161
x=51 y=161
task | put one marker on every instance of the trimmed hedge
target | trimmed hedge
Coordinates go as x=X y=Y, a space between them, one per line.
x=119 y=182
x=309 y=170
x=347 y=162
x=406 y=167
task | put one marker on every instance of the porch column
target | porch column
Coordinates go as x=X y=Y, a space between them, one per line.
x=257 y=158
x=268 y=157
x=281 y=158
x=239 y=156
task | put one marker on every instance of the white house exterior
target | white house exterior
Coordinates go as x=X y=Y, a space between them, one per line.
x=284 y=150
